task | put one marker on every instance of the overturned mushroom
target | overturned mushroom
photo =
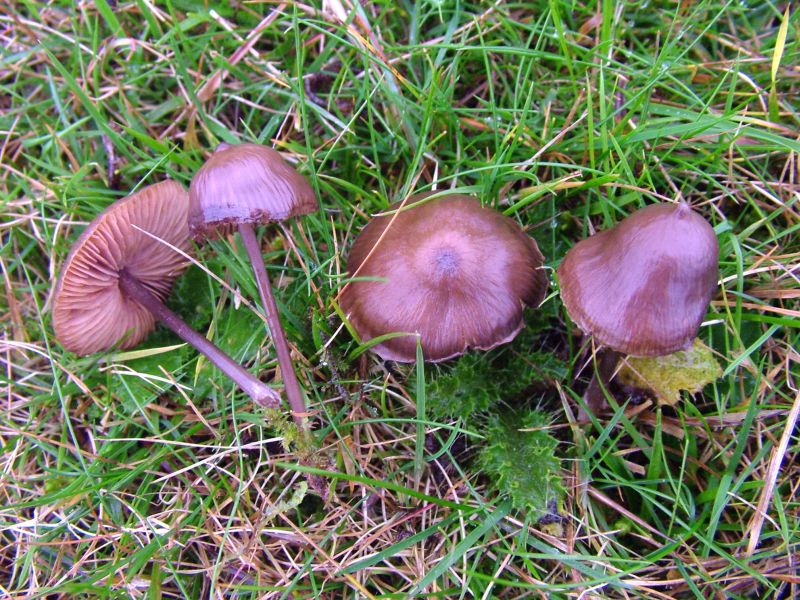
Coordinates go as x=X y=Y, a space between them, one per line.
x=642 y=287
x=116 y=277
x=457 y=274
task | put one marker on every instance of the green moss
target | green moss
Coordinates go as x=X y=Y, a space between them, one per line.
x=475 y=383
x=521 y=463
x=293 y=439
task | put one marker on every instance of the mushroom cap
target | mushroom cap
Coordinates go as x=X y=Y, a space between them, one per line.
x=451 y=270
x=643 y=286
x=90 y=313
x=246 y=183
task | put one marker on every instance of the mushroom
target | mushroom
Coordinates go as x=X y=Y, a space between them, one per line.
x=116 y=277
x=239 y=186
x=453 y=272
x=642 y=287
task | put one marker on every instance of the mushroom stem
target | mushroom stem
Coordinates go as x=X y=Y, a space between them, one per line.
x=260 y=392
x=293 y=393
x=594 y=396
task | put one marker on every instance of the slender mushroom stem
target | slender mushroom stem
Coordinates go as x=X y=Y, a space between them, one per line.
x=594 y=396
x=293 y=393
x=260 y=392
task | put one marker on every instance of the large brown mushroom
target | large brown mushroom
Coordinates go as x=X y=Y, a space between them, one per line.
x=239 y=186
x=454 y=273
x=118 y=273
x=642 y=287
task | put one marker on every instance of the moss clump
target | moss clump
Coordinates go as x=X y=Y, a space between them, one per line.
x=475 y=384
x=521 y=463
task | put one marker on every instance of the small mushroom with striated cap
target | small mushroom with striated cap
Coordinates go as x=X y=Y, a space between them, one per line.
x=239 y=186
x=448 y=269
x=118 y=273
x=643 y=287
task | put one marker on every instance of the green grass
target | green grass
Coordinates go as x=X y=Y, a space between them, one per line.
x=152 y=476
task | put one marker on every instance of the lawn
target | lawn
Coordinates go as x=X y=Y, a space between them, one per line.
x=146 y=473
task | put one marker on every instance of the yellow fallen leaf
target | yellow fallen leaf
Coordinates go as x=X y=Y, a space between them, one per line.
x=666 y=376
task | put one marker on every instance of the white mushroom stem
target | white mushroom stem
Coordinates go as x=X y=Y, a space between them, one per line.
x=293 y=393
x=260 y=392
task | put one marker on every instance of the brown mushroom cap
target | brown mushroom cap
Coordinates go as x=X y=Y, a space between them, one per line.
x=90 y=313
x=643 y=286
x=246 y=183
x=451 y=270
